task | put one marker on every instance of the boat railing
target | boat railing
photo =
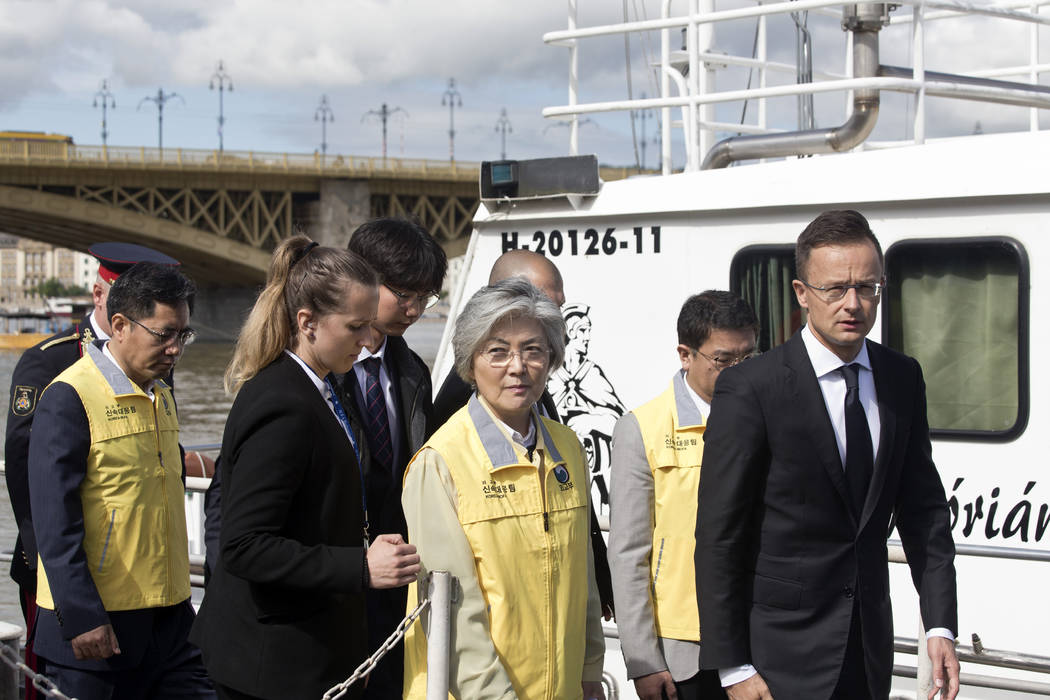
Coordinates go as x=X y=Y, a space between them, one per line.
x=687 y=75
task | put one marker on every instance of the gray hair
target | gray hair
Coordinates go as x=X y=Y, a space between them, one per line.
x=515 y=297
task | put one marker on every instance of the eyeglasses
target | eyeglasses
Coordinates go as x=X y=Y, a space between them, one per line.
x=865 y=290
x=184 y=337
x=724 y=362
x=532 y=356
x=424 y=300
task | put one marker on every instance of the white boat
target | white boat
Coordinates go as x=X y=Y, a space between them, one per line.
x=964 y=221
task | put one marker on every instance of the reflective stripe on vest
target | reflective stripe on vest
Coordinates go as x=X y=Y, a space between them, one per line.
x=534 y=580
x=673 y=435
x=132 y=493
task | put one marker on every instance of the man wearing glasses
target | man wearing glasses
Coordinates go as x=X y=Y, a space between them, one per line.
x=106 y=491
x=655 y=471
x=811 y=450
x=392 y=395
x=36 y=368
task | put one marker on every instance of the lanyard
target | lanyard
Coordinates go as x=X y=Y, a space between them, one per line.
x=344 y=420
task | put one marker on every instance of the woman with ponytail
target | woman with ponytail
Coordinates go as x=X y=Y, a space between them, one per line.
x=284 y=613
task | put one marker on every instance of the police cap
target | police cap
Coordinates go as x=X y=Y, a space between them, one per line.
x=115 y=258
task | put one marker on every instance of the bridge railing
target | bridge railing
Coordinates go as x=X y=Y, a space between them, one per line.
x=336 y=165
x=27 y=152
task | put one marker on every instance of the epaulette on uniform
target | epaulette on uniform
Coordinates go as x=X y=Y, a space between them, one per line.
x=64 y=339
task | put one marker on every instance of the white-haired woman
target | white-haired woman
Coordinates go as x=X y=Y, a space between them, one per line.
x=498 y=497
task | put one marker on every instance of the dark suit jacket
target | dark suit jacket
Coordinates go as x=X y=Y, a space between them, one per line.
x=35 y=369
x=411 y=379
x=284 y=613
x=780 y=557
x=453 y=395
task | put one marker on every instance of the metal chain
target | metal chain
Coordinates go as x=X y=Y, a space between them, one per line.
x=365 y=668
x=41 y=682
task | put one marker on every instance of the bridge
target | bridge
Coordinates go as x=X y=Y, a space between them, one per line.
x=222 y=214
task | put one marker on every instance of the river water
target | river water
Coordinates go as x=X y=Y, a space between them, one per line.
x=203 y=406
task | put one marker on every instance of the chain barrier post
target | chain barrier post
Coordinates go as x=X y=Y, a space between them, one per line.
x=439 y=591
x=10 y=635
x=11 y=658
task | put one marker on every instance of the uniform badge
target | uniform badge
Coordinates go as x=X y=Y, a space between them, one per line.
x=86 y=339
x=25 y=400
x=561 y=474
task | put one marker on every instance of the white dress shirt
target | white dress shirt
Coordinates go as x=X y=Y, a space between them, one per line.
x=326 y=393
x=833 y=388
x=387 y=387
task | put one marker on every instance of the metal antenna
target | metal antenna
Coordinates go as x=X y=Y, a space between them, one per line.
x=454 y=99
x=384 y=113
x=324 y=114
x=503 y=127
x=224 y=82
x=107 y=102
x=159 y=100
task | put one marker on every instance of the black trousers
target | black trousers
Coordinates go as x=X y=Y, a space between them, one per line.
x=703 y=686
x=171 y=669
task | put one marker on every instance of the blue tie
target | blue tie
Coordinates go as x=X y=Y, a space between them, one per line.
x=859 y=460
x=375 y=409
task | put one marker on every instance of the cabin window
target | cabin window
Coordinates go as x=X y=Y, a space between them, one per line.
x=960 y=306
x=762 y=276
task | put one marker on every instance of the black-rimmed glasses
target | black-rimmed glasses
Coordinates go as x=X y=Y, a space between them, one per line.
x=865 y=290
x=728 y=361
x=184 y=337
x=424 y=300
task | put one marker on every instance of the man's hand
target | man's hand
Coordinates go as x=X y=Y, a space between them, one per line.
x=655 y=686
x=99 y=643
x=392 y=562
x=754 y=688
x=945 y=667
x=593 y=690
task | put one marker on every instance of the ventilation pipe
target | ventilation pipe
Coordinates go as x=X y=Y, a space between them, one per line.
x=864 y=21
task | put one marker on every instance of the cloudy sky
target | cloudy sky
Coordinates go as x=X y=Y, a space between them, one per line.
x=283 y=56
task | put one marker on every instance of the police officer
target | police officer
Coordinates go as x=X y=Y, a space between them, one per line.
x=656 y=455
x=35 y=369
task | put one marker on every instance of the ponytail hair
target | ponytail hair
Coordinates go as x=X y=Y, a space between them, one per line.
x=302 y=275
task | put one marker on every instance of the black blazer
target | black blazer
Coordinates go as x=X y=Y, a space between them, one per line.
x=412 y=391
x=780 y=557
x=284 y=613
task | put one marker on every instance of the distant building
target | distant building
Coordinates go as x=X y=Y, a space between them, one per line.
x=25 y=264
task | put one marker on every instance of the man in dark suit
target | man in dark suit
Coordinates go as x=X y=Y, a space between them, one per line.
x=35 y=369
x=454 y=392
x=391 y=395
x=810 y=451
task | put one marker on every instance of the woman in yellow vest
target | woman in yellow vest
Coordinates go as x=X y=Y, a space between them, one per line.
x=498 y=497
x=284 y=613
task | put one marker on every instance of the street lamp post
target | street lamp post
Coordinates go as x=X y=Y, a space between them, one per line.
x=503 y=127
x=159 y=100
x=384 y=113
x=454 y=99
x=324 y=114
x=224 y=82
x=104 y=98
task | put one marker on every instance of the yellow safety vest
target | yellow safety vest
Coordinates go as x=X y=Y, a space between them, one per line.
x=673 y=435
x=132 y=493
x=530 y=550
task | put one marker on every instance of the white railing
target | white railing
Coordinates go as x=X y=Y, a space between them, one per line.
x=692 y=71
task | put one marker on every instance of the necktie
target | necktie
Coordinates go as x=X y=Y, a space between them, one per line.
x=859 y=460
x=340 y=413
x=375 y=410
